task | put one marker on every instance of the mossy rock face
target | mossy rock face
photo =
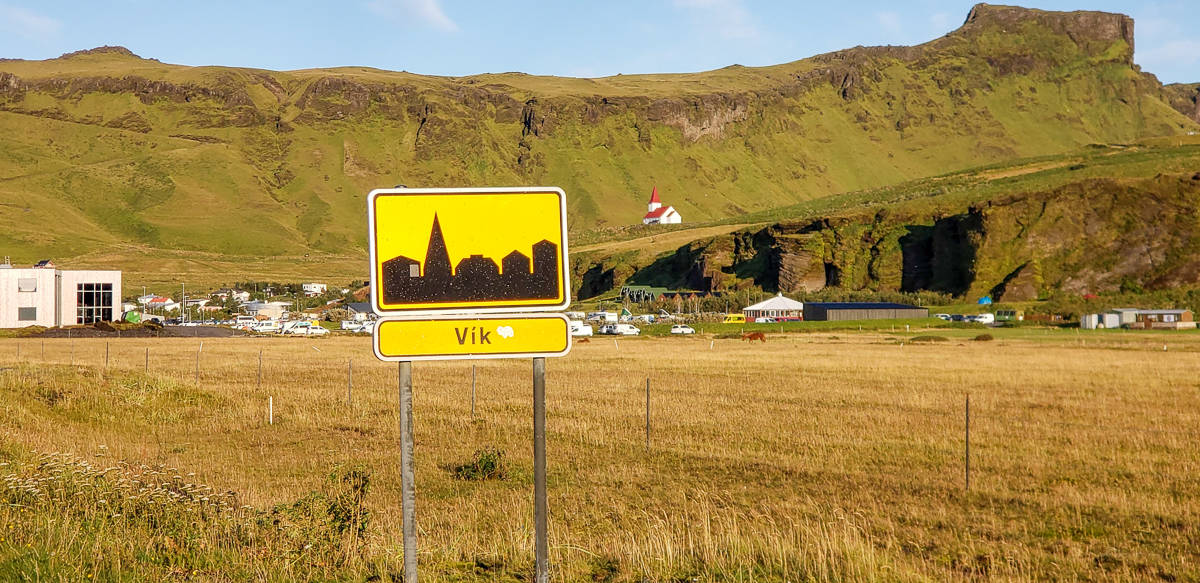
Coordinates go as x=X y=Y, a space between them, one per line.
x=255 y=163
x=1095 y=235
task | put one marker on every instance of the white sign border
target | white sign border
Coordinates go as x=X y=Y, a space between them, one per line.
x=565 y=276
x=446 y=317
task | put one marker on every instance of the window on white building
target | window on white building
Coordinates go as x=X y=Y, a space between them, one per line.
x=26 y=314
x=27 y=284
x=93 y=303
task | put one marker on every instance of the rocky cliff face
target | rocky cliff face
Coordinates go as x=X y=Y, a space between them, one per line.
x=1185 y=98
x=1091 y=236
x=296 y=150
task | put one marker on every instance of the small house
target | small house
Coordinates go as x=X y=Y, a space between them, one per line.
x=1168 y=319
x=267 y=310
x=777 y=308
x=312 y=290
x=360 y=311
x=657 y=214
x=46 y=296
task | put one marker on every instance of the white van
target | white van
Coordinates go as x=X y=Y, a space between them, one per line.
x=266 y=327
x=984 y=318
x=304 y=328
x=244 y=322
x=602 y=317
x=578 y=328
x=625 y=329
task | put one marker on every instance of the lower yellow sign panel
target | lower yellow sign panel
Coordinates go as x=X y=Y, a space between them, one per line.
x=472 y=337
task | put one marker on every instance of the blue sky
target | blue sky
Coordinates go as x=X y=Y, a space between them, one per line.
x=548 y=37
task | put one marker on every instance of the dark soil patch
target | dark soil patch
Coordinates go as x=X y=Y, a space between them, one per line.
x=141 y=332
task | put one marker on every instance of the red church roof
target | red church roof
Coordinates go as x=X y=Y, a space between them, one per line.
x=654 y=196
x=658 y=212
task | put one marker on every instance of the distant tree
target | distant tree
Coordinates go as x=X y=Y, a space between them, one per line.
x=337 y=315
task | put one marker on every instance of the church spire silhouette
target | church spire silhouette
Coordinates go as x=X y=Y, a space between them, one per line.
x=437 y=258
x=476 y=278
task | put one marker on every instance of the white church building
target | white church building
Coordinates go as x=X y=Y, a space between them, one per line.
x=657 y=214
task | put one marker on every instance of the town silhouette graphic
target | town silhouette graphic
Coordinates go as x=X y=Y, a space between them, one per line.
x=475 y=278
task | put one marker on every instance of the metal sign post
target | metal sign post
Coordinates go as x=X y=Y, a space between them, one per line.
x=408 y=492
x=541 y=543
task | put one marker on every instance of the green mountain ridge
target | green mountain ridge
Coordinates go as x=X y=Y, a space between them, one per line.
x=103 y=150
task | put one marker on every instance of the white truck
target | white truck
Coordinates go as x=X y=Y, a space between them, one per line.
x=620 y=329
x=266 y=327
x=579 y=328
x=304 y=328
x=602 y=317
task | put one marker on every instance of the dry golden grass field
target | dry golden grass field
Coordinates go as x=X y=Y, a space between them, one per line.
x=812 y=457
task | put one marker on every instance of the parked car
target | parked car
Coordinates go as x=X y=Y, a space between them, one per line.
x=984 y=318
x=620 y=330
x=579 y=328
x=764 y=320
x=682 y=329
x=958 y=318
x=945 y=317
x=304 y=328
x=266 y=327
x=734 y=319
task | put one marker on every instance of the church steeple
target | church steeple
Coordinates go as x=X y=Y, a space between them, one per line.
x=655 y=203
x=437 y=258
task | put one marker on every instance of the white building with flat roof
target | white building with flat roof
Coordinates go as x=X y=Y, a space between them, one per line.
x=45 y=296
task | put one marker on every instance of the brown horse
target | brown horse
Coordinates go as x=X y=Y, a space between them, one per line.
x=582 y=340
x=752 y=336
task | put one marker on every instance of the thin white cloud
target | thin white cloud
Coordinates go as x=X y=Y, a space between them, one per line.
x=428 y=12
x=26 y=24
x=729 y=19
x=890 y=22
x=941 y=22
x=1176 y=54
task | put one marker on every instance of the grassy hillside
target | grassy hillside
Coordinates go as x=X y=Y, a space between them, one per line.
x=103 y=151
x=1101 y=219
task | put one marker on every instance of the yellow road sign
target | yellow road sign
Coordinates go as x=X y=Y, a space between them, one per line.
x=482 y=336
x=468 y=250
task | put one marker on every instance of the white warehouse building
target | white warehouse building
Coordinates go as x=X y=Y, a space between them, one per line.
x=44 y=296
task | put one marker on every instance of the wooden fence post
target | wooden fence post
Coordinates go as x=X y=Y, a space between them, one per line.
x=967 y=443
x=647 y=414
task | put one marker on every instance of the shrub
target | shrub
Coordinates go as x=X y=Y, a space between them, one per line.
x=929 y=339
x=984 y=338
x=487 y=464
